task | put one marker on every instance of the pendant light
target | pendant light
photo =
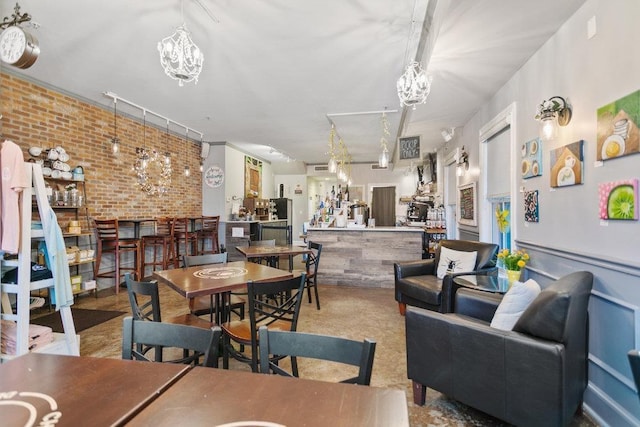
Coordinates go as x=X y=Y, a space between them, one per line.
x=115 y=142
x=187 y=171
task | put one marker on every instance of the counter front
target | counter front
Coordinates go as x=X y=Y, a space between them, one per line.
x=364 y=256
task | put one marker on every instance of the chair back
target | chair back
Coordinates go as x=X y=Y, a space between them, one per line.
x=106 y=229
x=210 y=224
x=313 y=259
x=164 y=226
x=193 y=260
x=276 y=302
x=634 y=361
x=144 y=299
x=322 y=347
x=138 y=334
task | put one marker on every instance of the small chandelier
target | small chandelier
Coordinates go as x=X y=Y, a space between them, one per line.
x=333 y=163
x=180 y=57
x=413 y=86
x=383 y=160
x=153 y=173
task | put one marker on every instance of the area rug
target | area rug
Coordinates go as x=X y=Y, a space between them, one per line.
x=82 y=319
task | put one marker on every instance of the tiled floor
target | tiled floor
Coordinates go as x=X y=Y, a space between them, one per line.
x=355 y=313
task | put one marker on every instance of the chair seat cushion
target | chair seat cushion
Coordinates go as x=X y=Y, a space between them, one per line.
x=427 y=288
x=240 y=330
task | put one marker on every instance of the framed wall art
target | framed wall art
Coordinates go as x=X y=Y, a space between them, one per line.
x=409 y=147
x=617 y=132
x=468 y=204
x=252 y=177
x=531 y=158
x=619 y=199
x=531 y=206
x=567 y=165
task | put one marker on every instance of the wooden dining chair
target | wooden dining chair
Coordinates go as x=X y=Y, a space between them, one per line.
x=322 y=347
x=205 y=305
x=144 y=299
x=274 y=304
x=138 y=334
x=109 y=240
x=184 y=237
x=161 y=244
x=312 y=264
x=208 y=232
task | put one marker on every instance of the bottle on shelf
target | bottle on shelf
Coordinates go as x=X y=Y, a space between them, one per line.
x=346 y=193
x=333 y=192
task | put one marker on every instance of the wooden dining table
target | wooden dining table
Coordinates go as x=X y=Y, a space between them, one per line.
x=216 y=397
x=46 y=389
x=217 y=281
x=71 y=390
x=273 y=252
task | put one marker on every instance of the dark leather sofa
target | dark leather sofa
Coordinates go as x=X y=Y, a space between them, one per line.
x=534 y=375
x=416 y=282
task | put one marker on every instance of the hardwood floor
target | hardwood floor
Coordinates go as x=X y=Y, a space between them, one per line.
x=355 y=313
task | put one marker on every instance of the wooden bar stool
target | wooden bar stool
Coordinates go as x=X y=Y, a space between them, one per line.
x=109 y=241
x=208 y=231
x=184 y=236
x=162 y=245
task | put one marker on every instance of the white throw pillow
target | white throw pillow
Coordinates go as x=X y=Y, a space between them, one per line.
x=455 y=261
x=514 y=303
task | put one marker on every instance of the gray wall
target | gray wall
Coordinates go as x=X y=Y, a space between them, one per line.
x=570 y=236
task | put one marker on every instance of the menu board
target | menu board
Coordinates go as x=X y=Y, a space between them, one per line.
x=467 y=204
x=409 y=147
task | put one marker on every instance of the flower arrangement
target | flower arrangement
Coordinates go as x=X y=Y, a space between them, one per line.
x=513 y=260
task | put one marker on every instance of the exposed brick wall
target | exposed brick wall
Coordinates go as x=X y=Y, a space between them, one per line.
x=37 y=116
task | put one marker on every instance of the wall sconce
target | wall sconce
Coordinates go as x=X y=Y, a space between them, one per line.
x=462 y=164
x=552 y=113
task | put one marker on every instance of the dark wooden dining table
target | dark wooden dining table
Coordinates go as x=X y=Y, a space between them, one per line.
x=217 y=280
x=74 y=391
x=46 y=389
x=273 y=252
x=206 y=396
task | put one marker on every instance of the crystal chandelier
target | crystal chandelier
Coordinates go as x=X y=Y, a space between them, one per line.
x=180 y=57
x=413 y=86
x=153 y=173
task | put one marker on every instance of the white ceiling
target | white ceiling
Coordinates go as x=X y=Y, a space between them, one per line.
x=274 y=69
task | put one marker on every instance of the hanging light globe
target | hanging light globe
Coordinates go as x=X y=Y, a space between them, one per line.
x=413 y=86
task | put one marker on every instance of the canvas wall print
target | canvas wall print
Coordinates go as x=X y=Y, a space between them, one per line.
x=531 y=206
x=618 y=127
x=567 y=165
x=618 y=199
x=531 y=158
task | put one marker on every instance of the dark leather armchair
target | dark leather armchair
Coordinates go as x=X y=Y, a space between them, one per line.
x=535 y=374
x=417 y=284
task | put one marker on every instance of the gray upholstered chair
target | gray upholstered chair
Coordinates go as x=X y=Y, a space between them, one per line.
x=416 y=283
x=535 y=374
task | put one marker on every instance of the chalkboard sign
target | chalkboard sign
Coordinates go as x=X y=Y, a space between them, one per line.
x=409 y=147
x=467 y=205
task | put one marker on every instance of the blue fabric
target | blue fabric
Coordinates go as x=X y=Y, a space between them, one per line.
x=56 y=256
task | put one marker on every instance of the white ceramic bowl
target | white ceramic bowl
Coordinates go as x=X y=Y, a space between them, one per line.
x=66 y=175
x=35 y=151
x=46 y=171
x=63 y=156
x=53 y=154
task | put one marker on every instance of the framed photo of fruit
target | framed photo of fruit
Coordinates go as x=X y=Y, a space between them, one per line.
x=531 y=165
x=617 y=132
x=567 y=165
x=619 y=200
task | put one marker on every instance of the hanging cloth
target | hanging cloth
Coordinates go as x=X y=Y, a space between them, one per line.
x=14 y=180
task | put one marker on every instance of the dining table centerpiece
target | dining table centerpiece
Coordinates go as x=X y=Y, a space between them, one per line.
x=513 y=262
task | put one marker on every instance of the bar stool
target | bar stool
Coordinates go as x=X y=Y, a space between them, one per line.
x=109 y=241
x=185 y=237
x=209 y=231
x=161 y=243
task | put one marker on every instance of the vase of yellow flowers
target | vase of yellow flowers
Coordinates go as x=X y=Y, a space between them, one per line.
x=513 y=263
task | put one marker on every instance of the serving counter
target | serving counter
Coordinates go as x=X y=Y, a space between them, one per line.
x=364 y=256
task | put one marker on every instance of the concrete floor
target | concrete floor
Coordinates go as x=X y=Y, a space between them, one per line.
x=355 y=313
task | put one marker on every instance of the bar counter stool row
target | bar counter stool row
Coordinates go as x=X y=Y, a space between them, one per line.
x=172 y=239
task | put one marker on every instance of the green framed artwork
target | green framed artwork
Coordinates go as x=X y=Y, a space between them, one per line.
x=617 y=132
